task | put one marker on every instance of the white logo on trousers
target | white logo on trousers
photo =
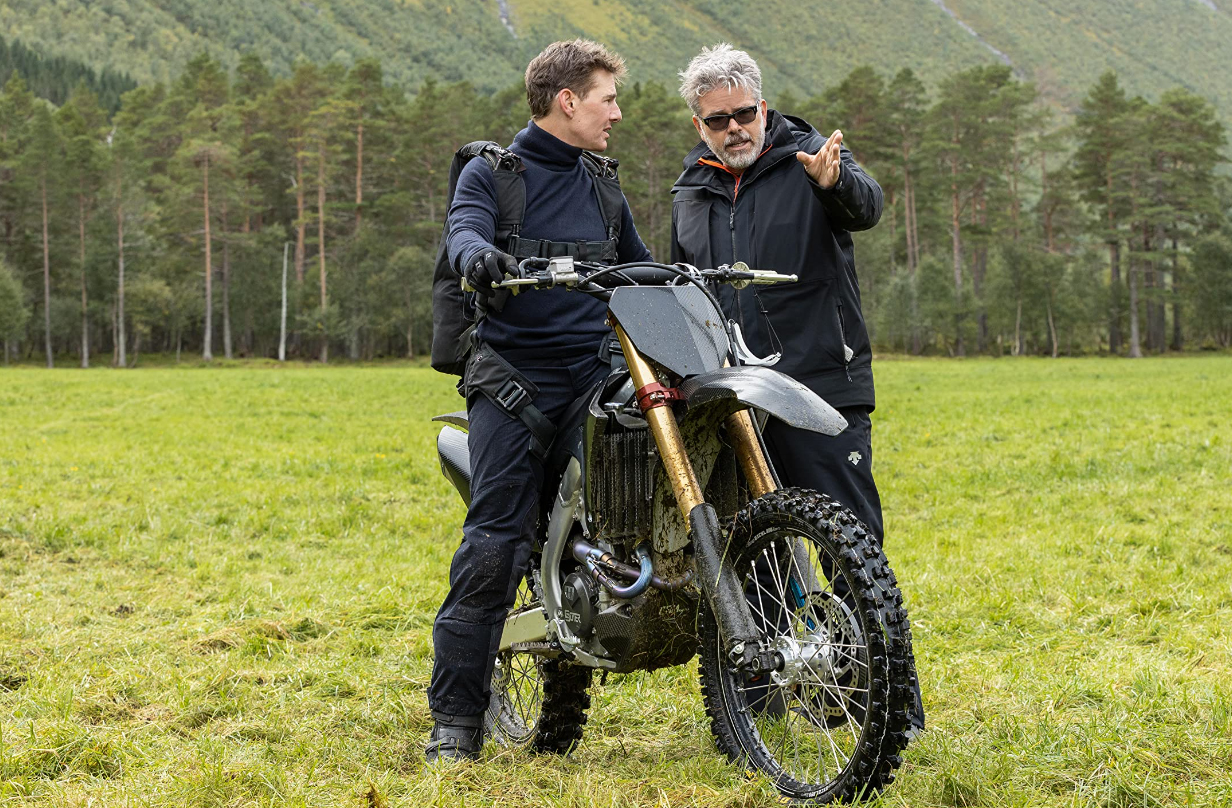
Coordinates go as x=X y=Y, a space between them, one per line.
x=855 y=458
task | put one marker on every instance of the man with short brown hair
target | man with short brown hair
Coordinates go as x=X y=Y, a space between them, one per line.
x=576 y=64
x=551 y=339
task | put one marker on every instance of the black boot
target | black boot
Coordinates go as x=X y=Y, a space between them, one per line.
x=455 y=737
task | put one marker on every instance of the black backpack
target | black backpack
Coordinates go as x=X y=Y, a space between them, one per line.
x=454 y=312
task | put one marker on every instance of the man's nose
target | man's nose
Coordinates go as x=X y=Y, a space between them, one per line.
x=616 y=115
x=732 y=126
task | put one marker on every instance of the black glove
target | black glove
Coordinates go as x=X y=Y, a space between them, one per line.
x=488 y=269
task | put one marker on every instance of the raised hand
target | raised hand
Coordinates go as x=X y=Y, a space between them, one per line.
x=823 y=166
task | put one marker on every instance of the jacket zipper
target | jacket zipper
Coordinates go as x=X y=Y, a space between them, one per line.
x=731 y=226
x=842 y=335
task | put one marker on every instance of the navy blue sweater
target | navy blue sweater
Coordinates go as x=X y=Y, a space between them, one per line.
x=561 y=205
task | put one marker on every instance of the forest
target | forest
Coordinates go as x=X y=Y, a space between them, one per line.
x=166 y=226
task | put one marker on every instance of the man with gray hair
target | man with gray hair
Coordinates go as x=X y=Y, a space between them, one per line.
x=765 y=188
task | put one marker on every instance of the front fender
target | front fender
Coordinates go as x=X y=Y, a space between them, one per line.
x=764 y=389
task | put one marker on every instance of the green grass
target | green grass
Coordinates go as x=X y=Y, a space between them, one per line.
x=217 y=587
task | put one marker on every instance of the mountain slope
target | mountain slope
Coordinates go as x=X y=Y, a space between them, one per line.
x=802 y=46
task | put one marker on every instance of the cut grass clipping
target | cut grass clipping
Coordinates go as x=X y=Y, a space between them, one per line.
x=217 y=588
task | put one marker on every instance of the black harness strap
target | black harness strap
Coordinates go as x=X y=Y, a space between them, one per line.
x=489 y=373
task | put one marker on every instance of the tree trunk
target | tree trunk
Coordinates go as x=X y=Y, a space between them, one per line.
x=410 y=327
x=1178 y=336
x=46 y=273
x=893 y=232
x=1149 y=284
x=1049 y=243
x=979 y=266
x=1114 y=287
x=1014 y=204
x=359 y=174
x=915 y=231
x=321 y=246
x=913 y=253
x=282 y=328
x=226 y=286
x=1135 y=345
x=1018 y=330
x=300 y=224
x=207 y=352
x=121 y=335
x=81 y=255
x=956 y=239
x=1114 y=298
x=1052 y=328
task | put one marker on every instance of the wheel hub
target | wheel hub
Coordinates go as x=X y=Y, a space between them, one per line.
x=803 y=660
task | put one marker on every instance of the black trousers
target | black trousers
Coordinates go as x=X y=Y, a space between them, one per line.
x=839 y=466
x=496 y=537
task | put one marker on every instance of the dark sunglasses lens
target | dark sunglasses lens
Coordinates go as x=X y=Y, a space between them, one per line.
x=743 y=116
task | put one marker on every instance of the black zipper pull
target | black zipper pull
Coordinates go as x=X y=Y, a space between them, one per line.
x=842 y=336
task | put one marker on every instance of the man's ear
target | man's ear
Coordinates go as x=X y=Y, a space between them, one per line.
x=764 y=112
x=697 y=124
x=567 y=100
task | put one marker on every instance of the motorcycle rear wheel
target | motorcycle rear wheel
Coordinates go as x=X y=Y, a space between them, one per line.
x=537 y=701
x=830 y=725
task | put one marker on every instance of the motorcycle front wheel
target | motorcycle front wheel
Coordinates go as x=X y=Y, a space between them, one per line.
x=830 y=724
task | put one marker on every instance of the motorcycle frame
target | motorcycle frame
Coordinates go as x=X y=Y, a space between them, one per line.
x=544 y=624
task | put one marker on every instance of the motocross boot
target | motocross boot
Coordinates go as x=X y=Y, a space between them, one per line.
x=454 y=738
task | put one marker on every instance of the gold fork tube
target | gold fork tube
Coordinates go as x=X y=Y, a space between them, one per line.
x=749 y=453
x=666 y=433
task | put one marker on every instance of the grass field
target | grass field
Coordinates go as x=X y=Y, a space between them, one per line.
x=217 y=588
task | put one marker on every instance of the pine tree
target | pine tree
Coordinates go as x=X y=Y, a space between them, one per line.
x=83 y=125
x=1188 y=157
x=1103 y=136
x=206 y=152
x=44 y=152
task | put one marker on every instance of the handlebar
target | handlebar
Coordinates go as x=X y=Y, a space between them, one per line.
x=547 y=273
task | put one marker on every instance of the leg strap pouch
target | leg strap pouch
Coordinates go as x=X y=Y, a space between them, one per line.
x=490 y=373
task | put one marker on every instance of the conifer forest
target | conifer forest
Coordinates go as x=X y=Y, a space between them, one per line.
x=163 y=218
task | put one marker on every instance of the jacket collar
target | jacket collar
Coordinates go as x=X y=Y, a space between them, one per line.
x=540 y=146
x=700 y=163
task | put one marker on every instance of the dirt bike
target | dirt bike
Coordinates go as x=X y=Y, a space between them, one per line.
x=664 y=533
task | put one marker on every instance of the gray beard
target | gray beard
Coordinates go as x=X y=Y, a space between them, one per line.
x=737 y=162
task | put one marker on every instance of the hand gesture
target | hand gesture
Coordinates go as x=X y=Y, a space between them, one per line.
x=823 y=166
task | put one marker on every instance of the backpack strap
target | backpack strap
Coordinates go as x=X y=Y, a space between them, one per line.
x=507 y=169
x=607 y=190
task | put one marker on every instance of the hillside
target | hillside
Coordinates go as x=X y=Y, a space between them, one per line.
x=1063 y=46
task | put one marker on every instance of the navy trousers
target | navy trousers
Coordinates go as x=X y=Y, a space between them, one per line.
x=496 y=537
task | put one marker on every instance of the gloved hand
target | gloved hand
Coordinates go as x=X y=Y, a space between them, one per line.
x=488 y=269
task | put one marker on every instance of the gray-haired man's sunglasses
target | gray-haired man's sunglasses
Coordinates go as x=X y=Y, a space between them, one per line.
x=743 y=116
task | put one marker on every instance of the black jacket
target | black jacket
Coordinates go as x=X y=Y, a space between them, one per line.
x=777 y=218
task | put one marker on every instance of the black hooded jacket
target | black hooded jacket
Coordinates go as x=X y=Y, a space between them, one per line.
x=775 y=217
